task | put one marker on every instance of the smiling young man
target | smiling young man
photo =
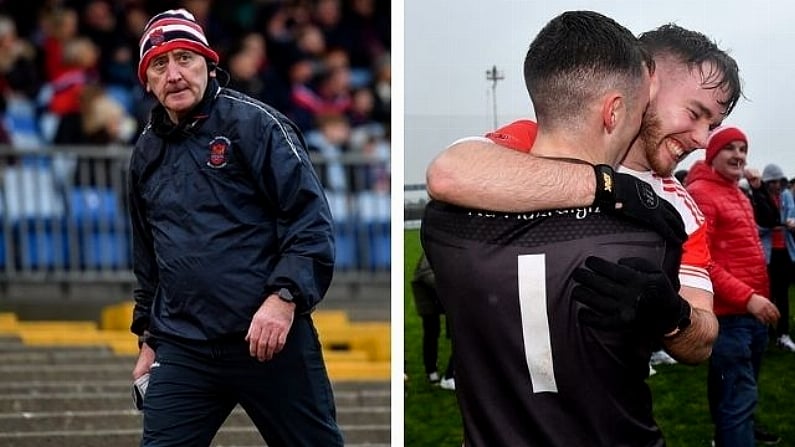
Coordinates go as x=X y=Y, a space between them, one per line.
x=232 y=249
x=697 y=87
x=540 y=362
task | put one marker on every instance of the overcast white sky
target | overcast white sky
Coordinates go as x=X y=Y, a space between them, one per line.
x=449 y=45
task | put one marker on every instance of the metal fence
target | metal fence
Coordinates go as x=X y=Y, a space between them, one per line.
x=63 y=215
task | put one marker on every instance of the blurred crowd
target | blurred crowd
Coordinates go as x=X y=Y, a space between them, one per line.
x=68 y=72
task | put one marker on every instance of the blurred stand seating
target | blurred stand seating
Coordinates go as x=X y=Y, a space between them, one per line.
x=63 y=218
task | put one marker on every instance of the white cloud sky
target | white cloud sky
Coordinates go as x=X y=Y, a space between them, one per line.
x=449 y=45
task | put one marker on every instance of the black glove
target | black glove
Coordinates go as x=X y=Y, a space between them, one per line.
x=633 y=294
x=628 y=196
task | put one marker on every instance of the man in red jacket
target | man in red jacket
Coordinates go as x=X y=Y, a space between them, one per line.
x=739 y=281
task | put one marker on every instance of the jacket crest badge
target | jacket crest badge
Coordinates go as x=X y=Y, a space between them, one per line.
x=219 y=152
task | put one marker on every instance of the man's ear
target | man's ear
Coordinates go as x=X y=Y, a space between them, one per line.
x=654 y=86
x=613 y=110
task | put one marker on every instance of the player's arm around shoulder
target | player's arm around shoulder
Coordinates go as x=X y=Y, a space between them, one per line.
x=477 y=173
x=693 y=344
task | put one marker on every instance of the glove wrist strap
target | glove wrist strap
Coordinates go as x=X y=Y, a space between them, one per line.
x=605 y=195
x=685 y=312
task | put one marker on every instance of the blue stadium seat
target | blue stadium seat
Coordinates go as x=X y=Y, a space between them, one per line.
x=2 y=231
x=2 y=245
x=374 y=211
x=22 y=123
x=103 y=233
x=29 y=190
x=378 y=240
x=41 y=243
x=346 y=256
x=106 y=249
x=35 y=210
x=345 y=237
x=93 y=206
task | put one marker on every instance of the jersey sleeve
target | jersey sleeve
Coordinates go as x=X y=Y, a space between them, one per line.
x=694 y=269
x=518 y=135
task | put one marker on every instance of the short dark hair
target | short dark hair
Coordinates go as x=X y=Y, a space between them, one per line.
x=576 y=57
x=695 y=50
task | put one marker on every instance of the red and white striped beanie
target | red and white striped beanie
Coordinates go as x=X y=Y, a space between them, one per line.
x=169 y=30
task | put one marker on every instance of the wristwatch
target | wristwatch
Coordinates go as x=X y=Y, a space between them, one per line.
x=285 y=295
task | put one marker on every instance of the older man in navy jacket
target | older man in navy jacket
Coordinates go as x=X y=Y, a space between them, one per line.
x=233 y=248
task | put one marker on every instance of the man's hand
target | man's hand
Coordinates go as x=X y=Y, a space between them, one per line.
x=269 y=327
x=763 y=309
x=145 y=359
x=637 y=201
x=633 y=294
x=753 y=176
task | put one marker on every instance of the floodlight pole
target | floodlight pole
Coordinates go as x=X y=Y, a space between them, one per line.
x=493 y=75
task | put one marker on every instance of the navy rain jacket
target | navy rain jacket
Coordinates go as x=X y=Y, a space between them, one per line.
x=226 y=208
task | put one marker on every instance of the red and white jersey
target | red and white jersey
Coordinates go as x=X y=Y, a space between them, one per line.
x=520 y=136
x=695 y=251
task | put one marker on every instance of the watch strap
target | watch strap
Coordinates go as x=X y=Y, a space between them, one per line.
x=284 y=294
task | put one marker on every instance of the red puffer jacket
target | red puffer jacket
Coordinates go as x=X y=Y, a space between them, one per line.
x=738 y=261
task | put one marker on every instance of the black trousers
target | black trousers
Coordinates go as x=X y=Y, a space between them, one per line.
x=431 y=330
x=193 y=387
x=779 y=270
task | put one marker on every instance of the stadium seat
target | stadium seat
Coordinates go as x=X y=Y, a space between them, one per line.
x=101 y=228
x=41 y=243
x=345 y=241
x=374 y=229
x=346 y=255
x=103 y=249
x=376 y=245
x=29 y=190
x=2 y=234
x=22 y=123
x=35 y=210
x=93 y=206
x=2 y=245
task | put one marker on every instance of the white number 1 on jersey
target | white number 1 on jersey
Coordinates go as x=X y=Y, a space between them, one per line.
x=535 y=322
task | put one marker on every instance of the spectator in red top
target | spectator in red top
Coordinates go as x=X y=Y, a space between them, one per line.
x=330 y=95
x=740 y=284
x=60 y=26
x=80 y=55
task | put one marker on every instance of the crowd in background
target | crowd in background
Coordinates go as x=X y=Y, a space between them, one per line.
x=69 y=90
x=68 y=72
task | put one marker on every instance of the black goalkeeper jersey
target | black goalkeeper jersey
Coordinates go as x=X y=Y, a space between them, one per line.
x=527 y=372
